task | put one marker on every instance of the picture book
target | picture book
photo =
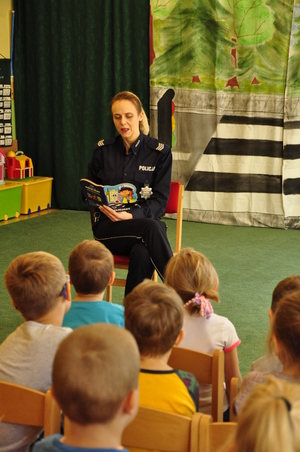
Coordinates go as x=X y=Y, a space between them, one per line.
x=119 y=197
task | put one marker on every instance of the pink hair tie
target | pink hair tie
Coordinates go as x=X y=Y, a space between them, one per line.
x=206 y=309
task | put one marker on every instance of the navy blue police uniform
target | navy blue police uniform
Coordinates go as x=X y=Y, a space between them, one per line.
x=148 y=166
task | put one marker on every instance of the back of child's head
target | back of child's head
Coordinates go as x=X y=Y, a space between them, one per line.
x=286 y=328
x=190 y=273
x=35 y=281
x=284 y=287
x=270 y=418
x=90 y=266
x=94 y=369
x=154 y=315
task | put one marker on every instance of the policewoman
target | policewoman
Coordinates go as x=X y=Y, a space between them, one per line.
x=136 y=158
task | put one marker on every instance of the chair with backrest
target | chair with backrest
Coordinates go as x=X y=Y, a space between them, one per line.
x=214 y=436
x=208 y=369
x=26 y=406
x=159 y=430
x=174 y=206
x=234 y=390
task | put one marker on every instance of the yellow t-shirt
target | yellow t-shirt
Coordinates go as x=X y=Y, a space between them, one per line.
x=173 y=390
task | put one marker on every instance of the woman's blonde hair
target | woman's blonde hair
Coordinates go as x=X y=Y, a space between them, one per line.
x=128 y=95
x=270 y=418
x=190 y=272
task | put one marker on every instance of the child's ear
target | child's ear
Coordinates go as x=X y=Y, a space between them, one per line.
x=111 y=279
x=179 y=337
x=68 y=291
x=270 y=314
x=131 y=402
x=277 y=347
x=53 y=394
x=14 y=305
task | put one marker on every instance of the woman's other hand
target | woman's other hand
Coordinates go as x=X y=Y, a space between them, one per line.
x=115 y=216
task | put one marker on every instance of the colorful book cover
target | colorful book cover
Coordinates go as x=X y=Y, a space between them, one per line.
x=118 y=197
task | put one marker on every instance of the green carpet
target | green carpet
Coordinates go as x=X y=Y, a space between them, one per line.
x=249 y=262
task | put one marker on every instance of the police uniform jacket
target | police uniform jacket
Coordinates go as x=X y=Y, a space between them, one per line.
x=148 y=162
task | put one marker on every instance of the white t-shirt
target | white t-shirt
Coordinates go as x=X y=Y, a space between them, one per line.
x=206 y=336
x=26 y=358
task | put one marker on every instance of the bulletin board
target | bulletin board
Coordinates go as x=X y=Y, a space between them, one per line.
x=5 y=104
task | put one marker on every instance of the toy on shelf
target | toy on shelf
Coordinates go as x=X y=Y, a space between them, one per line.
x=2 y=164
x=18 y=166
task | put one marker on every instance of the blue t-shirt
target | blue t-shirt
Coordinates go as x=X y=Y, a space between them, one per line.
x=53 y=444
x=88 y=312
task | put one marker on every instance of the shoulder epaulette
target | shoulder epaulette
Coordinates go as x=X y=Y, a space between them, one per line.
x=155 y=144
x=105 y=142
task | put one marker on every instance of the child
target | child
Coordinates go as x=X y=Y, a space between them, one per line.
x=37 y=285
x=95 y=381
x=91 y=269
x=270 y=362
x=154 y=315
x=270 y=420
x=194 y=278
x=285 y=338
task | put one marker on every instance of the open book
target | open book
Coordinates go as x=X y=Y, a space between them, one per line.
x=118 y=197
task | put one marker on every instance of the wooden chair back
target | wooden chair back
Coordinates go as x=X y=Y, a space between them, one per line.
x=21 y=405
x=214 y=436
x=208 y=369
x=174 y=205
x=162 y=431
x=234 y=390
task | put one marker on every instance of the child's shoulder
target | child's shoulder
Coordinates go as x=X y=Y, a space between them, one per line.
x=187 y=377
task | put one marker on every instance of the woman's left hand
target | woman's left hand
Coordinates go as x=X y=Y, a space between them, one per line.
x=115 y=216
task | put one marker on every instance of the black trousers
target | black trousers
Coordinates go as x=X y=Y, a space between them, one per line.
x=144 y=240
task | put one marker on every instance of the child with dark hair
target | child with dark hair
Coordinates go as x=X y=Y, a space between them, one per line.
x=270 y=362
x=285 y=340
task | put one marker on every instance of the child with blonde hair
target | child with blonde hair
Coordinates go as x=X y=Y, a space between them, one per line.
x=39 y=290
x=95 y=381
x=270 y=419
x=194 y=278
x=154 y=315
x=285 y=339
x=91 y=270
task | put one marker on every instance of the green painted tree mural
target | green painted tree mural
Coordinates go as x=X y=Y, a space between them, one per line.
x=223 y=44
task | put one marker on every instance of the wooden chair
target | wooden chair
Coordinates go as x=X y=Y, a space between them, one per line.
x=21 y=405
x=208 y=369
x=214 y=435
x=234 y=390
x=174 y=206
x=162 y=431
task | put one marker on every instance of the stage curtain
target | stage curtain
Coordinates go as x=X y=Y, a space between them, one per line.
x=225 y=83
x=70 y=58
